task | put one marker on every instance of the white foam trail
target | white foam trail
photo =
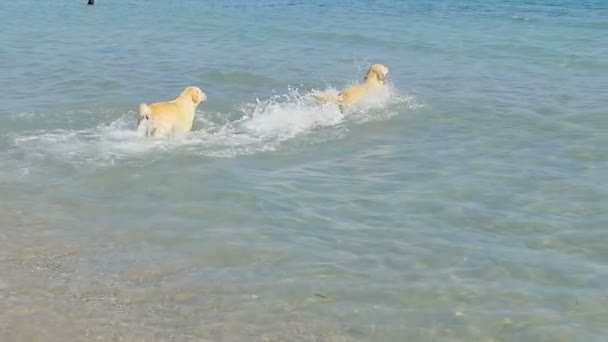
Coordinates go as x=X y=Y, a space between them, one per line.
x=284 y=117
x=261 y=126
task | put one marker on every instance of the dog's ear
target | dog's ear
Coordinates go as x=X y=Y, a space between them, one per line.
x=377 y=70
x=195 y=94
x=373 y=71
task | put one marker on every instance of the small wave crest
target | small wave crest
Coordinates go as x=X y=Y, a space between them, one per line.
x=262 y=125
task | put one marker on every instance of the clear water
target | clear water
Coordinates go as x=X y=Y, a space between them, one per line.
x=466 y=203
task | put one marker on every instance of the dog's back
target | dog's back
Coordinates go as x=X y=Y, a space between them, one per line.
x=326 y=98
x=353 y=94
x=163 y=118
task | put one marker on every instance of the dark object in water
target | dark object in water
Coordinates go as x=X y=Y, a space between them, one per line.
x=91 y=2
x=320 y=295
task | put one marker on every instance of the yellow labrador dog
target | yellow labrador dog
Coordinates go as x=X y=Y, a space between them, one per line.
x=375 y=78
x=160 y=119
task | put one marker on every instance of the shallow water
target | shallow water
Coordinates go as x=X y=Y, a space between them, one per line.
x=466 y=202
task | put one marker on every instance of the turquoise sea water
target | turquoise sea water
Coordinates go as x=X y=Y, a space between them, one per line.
x=468 y=202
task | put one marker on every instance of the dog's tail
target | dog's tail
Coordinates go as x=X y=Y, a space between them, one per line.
x=144 y=111
x=327 y=98
x=145 y=125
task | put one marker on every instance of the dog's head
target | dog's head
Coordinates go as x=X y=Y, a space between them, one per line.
x=195 y=94
x=377 y=72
